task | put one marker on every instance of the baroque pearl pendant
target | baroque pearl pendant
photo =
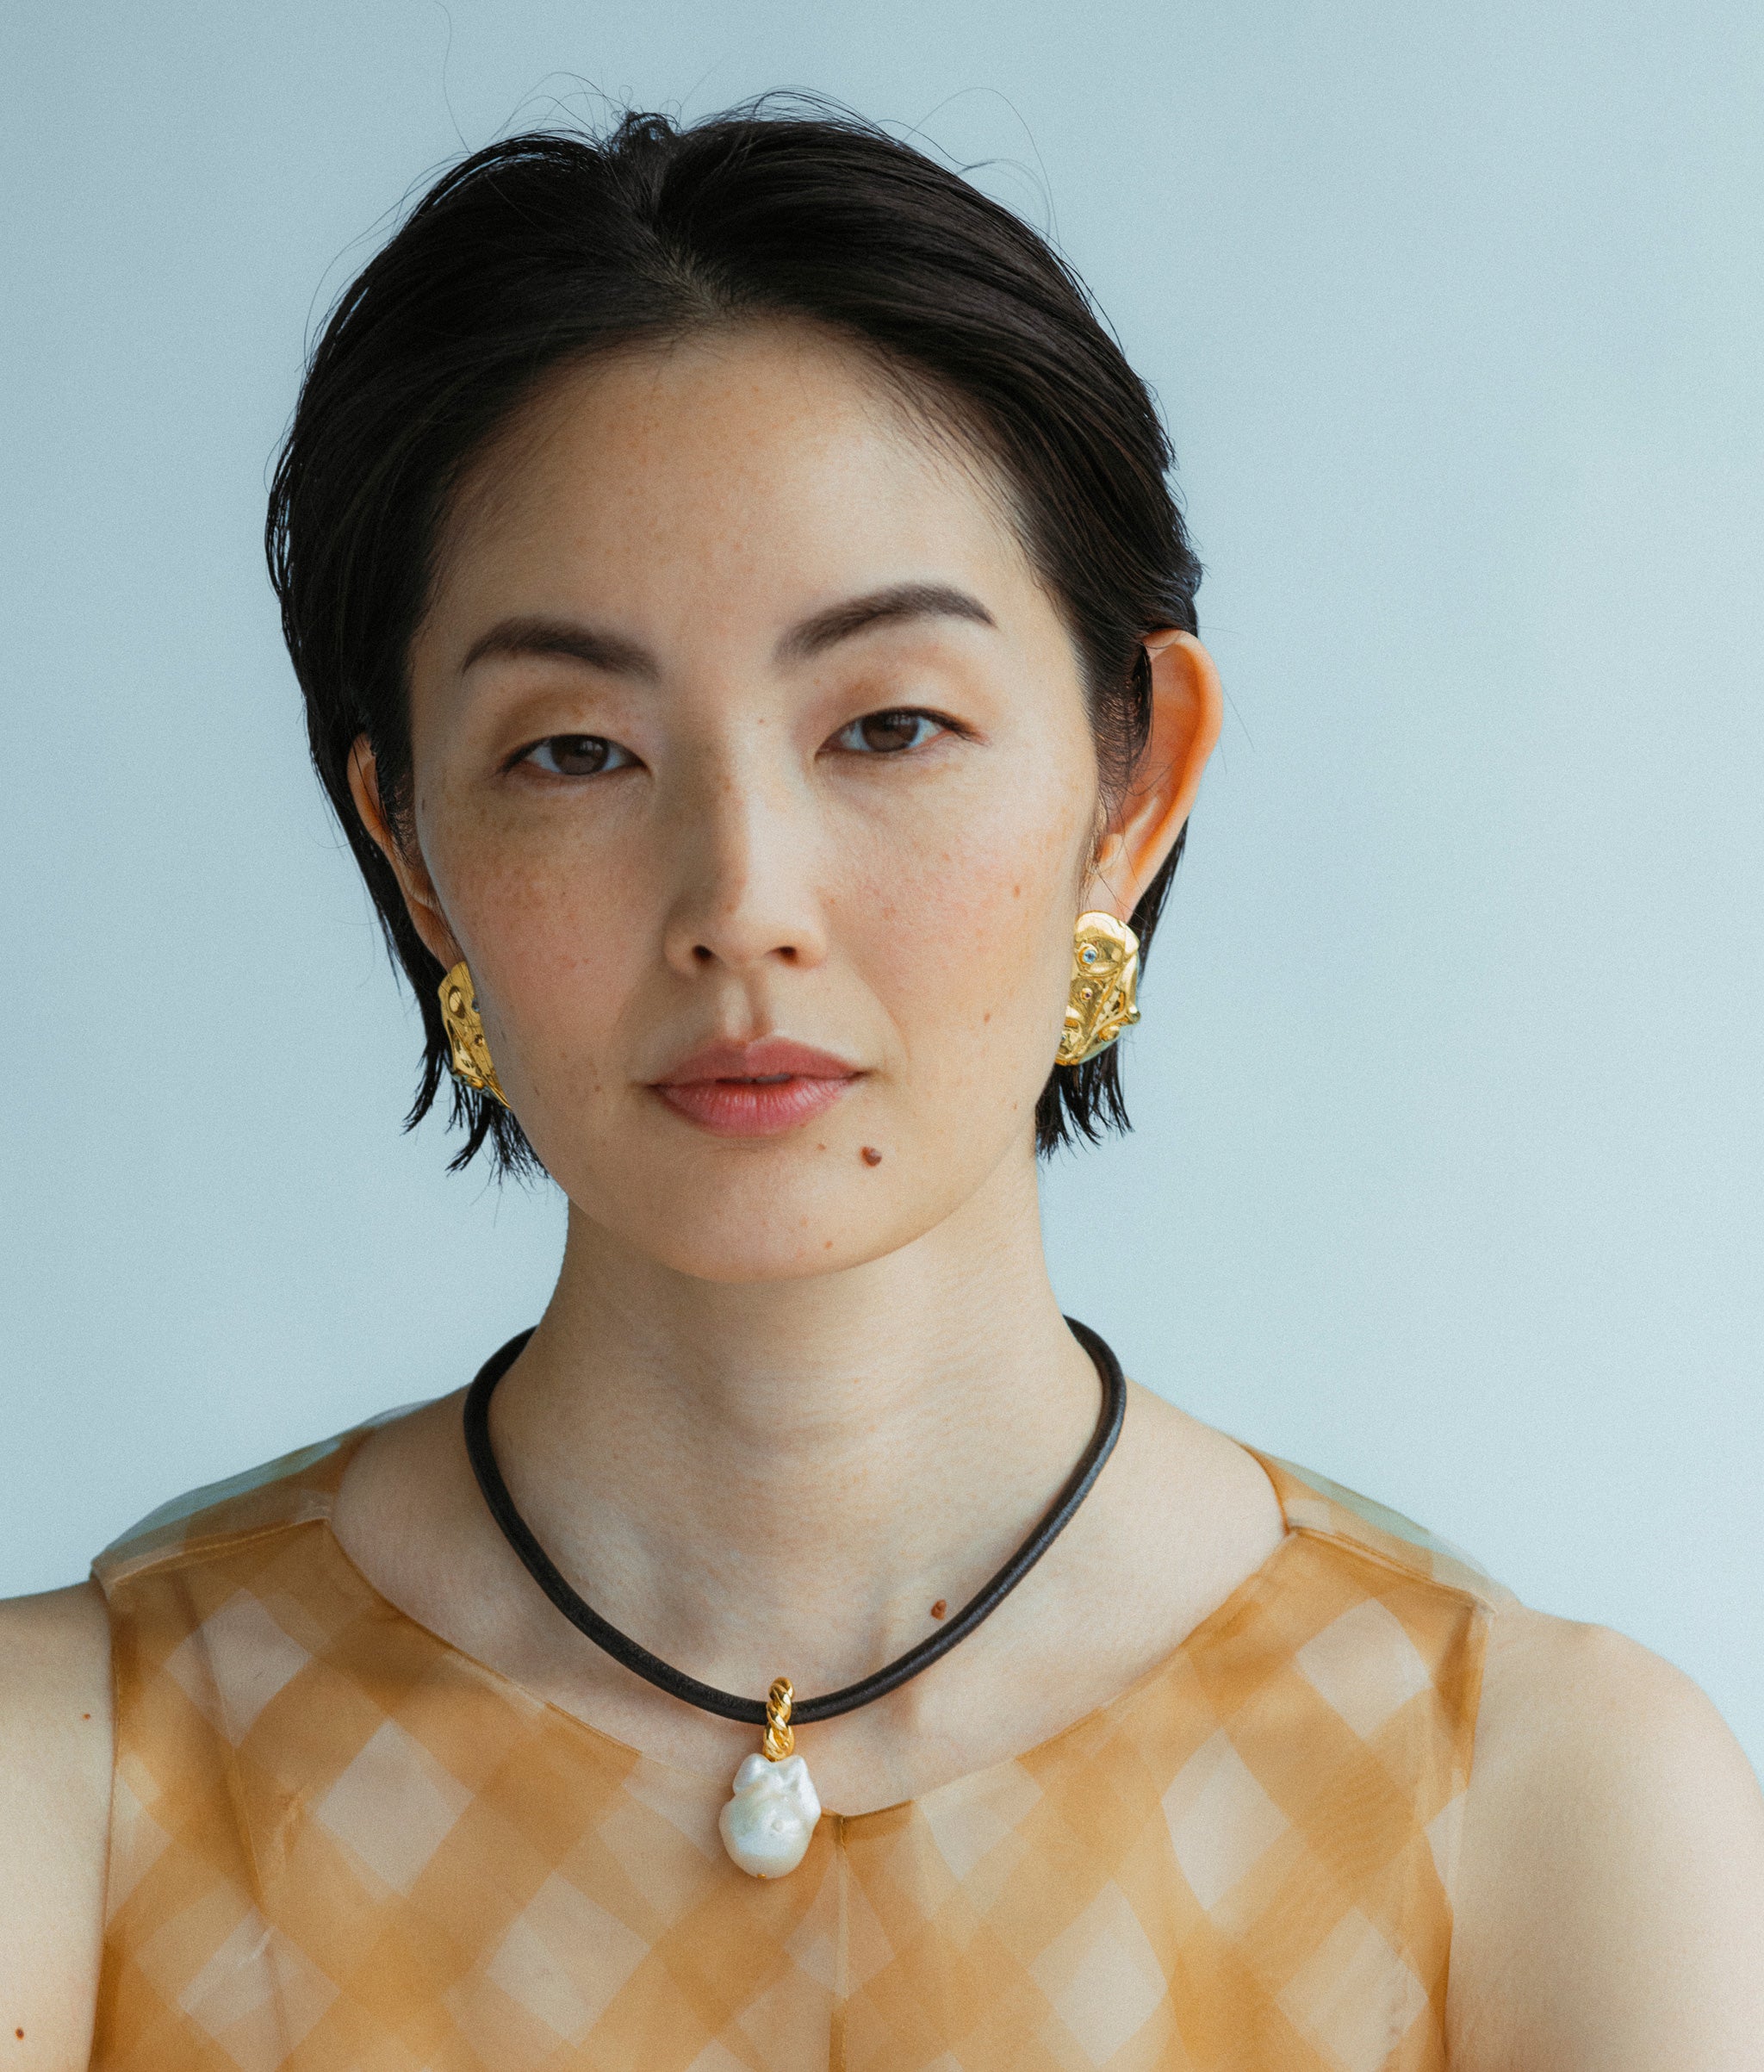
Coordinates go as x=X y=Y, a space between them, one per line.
x=767 y=1824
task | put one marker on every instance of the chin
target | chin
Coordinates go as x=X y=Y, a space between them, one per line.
x=736 y=1224
x=770 y=1210
x=743 y=1250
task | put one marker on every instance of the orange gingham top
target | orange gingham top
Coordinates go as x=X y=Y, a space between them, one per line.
x=340 y=1844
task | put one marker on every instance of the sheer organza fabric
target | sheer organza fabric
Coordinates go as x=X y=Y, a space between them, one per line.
x=340 y=1844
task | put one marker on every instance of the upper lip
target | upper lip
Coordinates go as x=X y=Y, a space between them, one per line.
x=770 y=1057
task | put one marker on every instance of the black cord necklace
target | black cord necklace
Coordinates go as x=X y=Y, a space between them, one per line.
x=779 y=1788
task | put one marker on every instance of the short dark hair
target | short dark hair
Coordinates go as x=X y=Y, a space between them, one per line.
x=551 y=247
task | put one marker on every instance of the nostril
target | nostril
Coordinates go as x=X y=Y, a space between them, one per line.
x=788 y=953
x=701 y=953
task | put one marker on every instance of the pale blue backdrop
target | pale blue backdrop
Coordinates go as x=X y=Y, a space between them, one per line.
x=1450 y=1177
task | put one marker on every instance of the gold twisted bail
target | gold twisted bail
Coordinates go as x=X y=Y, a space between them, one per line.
x=781 y=1741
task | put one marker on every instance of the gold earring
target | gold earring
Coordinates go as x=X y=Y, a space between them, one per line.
x=1105 y=975
x=469 y=1053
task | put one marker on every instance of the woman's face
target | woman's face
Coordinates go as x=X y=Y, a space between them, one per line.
x=754 y=779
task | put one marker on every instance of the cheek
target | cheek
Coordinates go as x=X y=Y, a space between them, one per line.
x=552 y=922
x=969 y=941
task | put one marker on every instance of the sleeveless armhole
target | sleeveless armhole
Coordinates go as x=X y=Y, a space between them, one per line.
x=1342 y=1519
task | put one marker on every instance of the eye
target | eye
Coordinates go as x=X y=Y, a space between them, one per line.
x=889 y=733
x=577 y=756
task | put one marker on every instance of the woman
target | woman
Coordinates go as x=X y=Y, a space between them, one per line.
x=748 y=636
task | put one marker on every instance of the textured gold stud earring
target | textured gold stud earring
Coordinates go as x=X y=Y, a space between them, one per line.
x=469 y=1053
x=1105 y=976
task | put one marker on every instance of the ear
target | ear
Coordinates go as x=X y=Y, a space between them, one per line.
x=1187 y=705
x=413 y=879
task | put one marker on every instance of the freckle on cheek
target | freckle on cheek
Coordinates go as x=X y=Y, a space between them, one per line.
x=872 y=1156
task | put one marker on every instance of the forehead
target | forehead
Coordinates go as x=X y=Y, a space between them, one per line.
x=759 y=468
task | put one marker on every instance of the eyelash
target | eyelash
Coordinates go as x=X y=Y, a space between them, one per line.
x=848 y=739
x=583 y=744
x=894 y=716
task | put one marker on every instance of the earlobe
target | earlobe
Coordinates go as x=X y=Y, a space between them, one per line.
x=1187 y=708
x=414 y=881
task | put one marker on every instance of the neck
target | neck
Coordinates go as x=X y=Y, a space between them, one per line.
x=805 y=1465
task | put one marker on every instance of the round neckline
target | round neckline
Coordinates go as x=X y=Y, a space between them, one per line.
x=1223 y=1614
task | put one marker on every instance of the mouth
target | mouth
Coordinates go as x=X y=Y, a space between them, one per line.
x=759 y=1089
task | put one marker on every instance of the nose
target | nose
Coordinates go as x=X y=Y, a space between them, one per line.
x=745 y=850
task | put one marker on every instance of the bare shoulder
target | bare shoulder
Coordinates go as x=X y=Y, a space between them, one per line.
x=55 y=1738
x=1611 y=1897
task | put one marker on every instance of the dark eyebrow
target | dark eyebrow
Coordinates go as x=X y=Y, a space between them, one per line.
x=612 y=652
x=591 y=644
x=904 y=601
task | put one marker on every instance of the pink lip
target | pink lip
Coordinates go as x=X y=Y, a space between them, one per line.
x=755 y=1089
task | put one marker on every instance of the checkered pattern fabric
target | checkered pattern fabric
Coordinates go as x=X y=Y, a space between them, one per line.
x=338 y=1844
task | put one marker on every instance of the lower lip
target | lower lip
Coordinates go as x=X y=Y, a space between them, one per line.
x=753 y=1107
